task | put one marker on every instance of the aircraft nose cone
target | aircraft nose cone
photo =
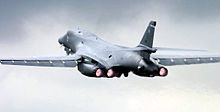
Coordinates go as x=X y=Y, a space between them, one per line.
x=60 y=40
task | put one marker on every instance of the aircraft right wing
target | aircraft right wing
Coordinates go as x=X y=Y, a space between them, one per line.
x=154 y=49
x=171 y=60
x=56 y=61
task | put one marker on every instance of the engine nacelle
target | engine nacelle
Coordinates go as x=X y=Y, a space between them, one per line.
x=90 y=70
x=150 y=69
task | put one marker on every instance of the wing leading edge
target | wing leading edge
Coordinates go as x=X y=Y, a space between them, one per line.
x=58 y=61
x=171 y=60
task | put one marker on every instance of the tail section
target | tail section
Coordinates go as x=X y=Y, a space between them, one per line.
x=148 y=37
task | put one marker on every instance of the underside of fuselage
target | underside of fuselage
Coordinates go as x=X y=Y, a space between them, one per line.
x=146 y=69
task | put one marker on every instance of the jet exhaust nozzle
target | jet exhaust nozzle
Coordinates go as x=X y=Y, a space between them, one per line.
x=99 y=73
x=111 y=73
x=163 y=71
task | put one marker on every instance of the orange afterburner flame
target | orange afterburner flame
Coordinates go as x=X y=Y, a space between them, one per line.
x=163 y=71
x=99 y=73
x=110 y=73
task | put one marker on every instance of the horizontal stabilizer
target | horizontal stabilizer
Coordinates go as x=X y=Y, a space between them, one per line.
x=177 y=49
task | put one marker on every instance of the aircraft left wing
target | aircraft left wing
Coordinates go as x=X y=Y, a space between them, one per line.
x=171 y=60
x=56 y=61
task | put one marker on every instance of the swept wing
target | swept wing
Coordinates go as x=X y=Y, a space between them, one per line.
x=56 y=61
x=171 y=60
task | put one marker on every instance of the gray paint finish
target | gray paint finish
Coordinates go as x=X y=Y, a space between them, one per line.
x=31 y=28
x=98 y=58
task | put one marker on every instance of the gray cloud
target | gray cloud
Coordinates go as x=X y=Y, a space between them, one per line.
x=30 y=28
x=101 y=14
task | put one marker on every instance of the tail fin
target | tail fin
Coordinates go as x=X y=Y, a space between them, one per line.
x=148 y=37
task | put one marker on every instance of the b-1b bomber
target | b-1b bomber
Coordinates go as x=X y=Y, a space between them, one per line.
x=97 y=58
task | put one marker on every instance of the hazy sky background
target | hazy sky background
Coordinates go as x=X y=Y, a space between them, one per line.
x=32 y=28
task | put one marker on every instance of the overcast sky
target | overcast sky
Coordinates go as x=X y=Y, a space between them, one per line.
x=32 y=28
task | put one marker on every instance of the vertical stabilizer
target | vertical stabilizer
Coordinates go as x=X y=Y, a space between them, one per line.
x=148 y=37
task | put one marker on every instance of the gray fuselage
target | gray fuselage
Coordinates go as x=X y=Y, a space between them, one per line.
x=87 y=44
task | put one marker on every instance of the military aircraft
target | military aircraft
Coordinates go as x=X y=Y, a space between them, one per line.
x=95 y=57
